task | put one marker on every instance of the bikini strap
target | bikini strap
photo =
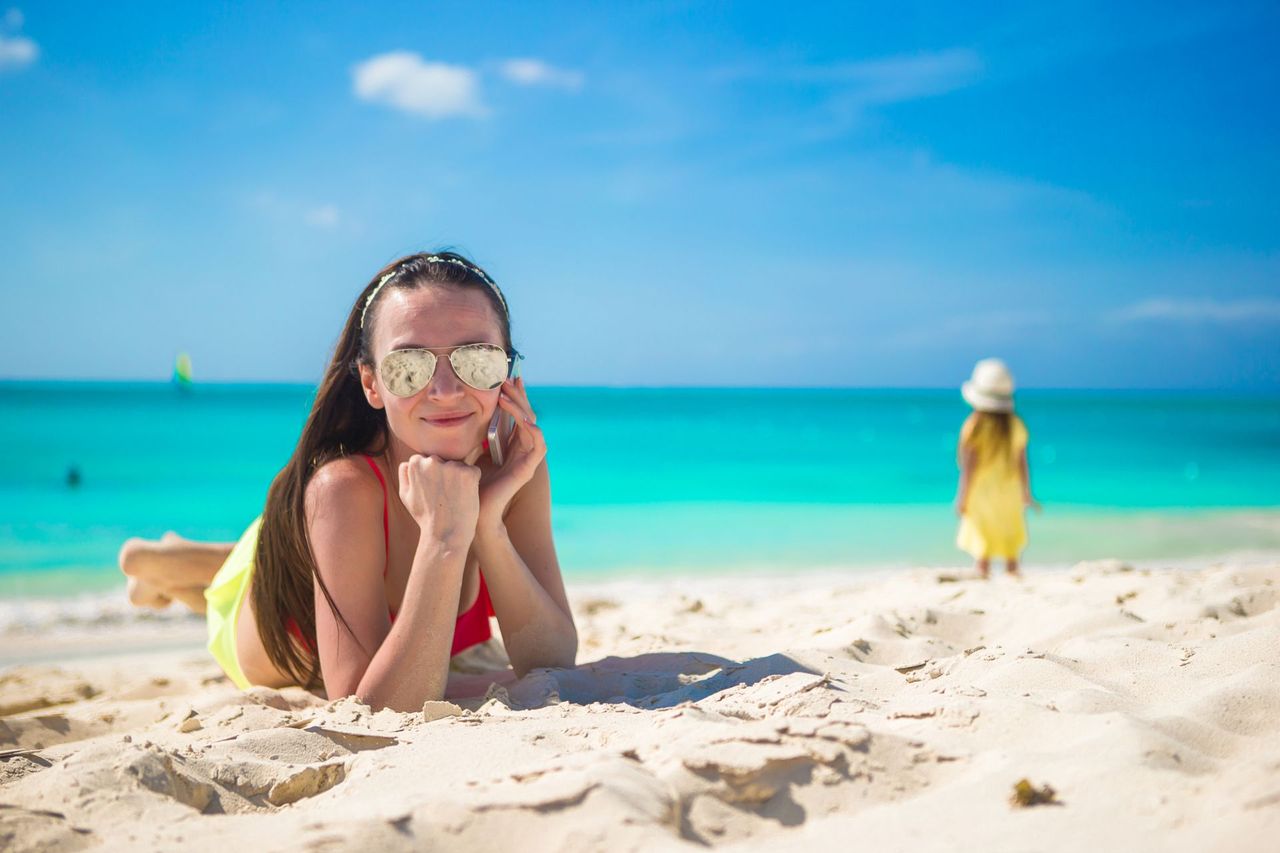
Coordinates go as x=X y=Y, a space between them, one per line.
x=386 y=523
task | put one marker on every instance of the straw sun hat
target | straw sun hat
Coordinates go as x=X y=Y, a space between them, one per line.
x=990 y=389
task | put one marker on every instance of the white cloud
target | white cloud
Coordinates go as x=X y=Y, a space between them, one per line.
x=1200 y=311
x=404 y=81
x=850 y=91
x=905 y=78
x=1000 y=326
x=288 y=212
x=325 y=216
x=889 y=80
x=535 y=72
x=17 y=51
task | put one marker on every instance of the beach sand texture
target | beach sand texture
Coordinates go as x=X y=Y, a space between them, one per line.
x=815 y=712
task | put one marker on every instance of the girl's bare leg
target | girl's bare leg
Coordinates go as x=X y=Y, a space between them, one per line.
x=983 y=565
x=1011 y=566
x=171 y=568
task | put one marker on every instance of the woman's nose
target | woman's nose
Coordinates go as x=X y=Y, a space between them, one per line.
x=445 y=383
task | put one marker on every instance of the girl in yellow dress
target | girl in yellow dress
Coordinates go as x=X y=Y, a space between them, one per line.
x=995 y=484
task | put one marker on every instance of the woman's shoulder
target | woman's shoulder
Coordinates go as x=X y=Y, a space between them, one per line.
x=345 y=482
x=1018 y=431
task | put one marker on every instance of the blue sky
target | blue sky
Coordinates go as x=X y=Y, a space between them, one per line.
x=669 y=193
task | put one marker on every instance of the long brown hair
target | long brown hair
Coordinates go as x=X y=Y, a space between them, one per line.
x=992 y=433
x=341 y=422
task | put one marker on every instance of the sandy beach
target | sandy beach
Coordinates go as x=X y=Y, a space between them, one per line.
x=887 y=712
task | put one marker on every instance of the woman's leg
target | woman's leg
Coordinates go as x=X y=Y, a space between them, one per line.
x=1011 y=566
x=983 y=565
x=171 y=568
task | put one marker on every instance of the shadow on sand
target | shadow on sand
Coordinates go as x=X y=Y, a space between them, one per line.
x=650 y=681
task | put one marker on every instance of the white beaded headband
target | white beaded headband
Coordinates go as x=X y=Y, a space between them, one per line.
x=436 y=259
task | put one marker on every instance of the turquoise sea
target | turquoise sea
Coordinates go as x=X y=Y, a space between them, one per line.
x=663 y=480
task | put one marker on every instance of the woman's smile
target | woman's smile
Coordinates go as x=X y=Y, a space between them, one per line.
x=448 y=419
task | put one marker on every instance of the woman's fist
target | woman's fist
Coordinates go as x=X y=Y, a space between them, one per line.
x=442 y=496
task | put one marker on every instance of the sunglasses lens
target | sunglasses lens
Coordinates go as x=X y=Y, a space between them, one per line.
x=482 y=366
x=406 y=372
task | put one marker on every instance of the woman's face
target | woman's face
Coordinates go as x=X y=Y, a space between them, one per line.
x=447 y=418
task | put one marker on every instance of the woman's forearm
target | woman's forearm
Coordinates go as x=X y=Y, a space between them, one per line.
x=536 y=630
x=412 y=664
x=966 y=474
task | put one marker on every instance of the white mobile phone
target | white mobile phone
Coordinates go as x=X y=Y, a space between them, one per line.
x=501 y=425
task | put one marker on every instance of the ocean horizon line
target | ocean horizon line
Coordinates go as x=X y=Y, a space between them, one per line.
x=1188 y=393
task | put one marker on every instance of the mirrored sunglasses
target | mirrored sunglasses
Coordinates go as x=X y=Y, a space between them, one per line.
x=484 y=367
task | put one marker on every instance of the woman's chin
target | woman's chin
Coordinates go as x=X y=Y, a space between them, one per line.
x=454 y=451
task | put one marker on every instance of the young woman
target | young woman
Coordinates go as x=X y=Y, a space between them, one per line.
x=391 y=535
x=995 y=483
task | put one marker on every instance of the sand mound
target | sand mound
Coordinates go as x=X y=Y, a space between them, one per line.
x=766 y=715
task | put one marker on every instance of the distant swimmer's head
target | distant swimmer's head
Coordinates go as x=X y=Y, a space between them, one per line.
x=429 y=340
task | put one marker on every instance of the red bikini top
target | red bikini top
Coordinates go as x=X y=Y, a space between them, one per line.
x=472 y=627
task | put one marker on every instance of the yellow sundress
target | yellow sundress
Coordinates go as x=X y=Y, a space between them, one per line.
x=993 y=524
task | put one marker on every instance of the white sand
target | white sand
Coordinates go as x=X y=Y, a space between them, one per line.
x=813 y=713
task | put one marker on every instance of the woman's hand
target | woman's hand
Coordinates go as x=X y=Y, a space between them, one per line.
x=1029 y=502
x=960 y=502
x=525 y=450
x=442 y=496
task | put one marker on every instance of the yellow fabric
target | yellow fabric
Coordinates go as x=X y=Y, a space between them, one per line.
x=992 y=524
x=223 y=599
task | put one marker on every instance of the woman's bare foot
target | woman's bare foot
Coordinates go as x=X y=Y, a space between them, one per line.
x=1011 y=566
x=134 y=554
x=984 y=569
x=168 y=569
x=142 y=594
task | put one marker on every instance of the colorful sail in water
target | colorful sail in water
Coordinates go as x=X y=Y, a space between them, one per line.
x=182 y=371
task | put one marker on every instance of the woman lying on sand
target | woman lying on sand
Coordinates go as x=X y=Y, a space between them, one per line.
x=362 y=575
